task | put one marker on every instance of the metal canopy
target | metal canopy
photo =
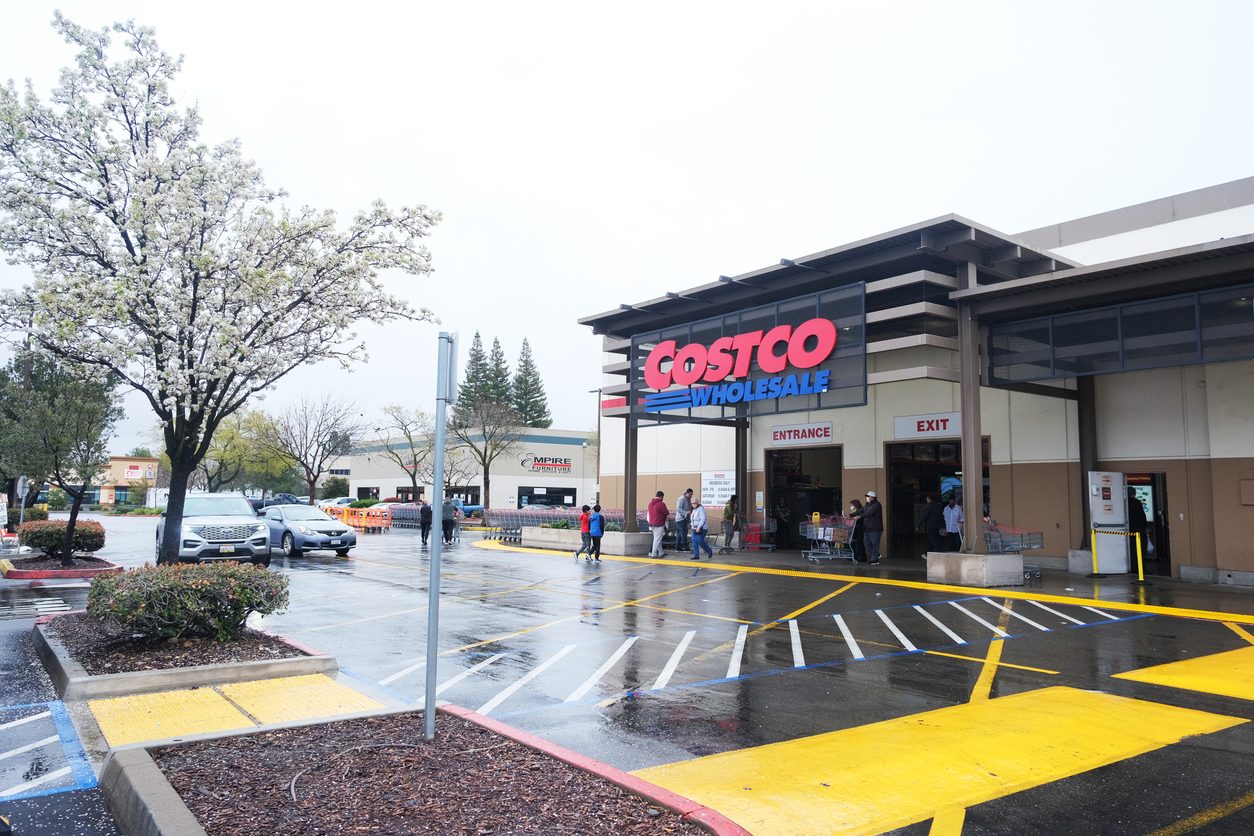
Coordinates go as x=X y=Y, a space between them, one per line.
x=937 y=245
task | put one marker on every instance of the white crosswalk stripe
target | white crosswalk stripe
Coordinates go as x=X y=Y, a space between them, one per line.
x=959 y=639
x=733 y=666
x=844 y=631
x=673 y=663
x=509 y=690
x=587 y=686
x=1014 y=614
x=901 y=637
x=41 y=715
x=798 y=658
x=47 y=778
x=1103 y=614
x=1061 y=615
x=996 y=630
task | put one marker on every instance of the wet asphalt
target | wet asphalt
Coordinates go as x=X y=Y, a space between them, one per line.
x=646 y=663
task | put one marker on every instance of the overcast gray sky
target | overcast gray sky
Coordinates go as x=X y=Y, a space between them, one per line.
x=587 y=154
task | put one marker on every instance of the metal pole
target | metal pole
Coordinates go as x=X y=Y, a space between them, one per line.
x=443 y=394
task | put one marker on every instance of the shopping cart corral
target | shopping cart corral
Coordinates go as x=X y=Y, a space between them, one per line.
x=828 y=539
x=1004 y=539
x=752 y=539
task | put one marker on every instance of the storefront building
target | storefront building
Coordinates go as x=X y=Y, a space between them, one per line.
x=905 y=362
x=543 y=467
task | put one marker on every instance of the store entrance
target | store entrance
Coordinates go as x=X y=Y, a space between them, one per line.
x=801 y=481
x=1150 y=489
x=916 y=471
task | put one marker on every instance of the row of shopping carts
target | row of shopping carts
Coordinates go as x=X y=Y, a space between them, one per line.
x=828 y=539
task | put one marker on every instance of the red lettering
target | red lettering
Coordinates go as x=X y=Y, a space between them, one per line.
x=689 y=364
x=720 y=360
x=824 y=332
x=743 y=344
x=654 y=377
x=768 y=360
x=920 y=426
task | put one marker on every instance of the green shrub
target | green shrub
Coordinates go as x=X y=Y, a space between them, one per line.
x=613 y=526
x=173 y=600
x=49 y=535
x=32 y=515
x=57 y=500
x=363 y=503
x=556 y=524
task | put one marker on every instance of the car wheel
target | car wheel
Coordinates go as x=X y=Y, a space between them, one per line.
x=289 y=545
x=262 y=561
x=342 y=552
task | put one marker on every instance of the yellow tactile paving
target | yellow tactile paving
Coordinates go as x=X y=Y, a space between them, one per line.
x=143 y=717
x=1229 y=674
x=297 y=698
x=897 y=772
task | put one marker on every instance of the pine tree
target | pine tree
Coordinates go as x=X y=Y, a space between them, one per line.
x=471 y=390
x=497 y=387
x=529 y=399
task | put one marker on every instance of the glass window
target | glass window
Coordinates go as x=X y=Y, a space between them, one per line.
x=1160 y=333
x=1020 y=351
x=1086 y=343
x=1227 y=324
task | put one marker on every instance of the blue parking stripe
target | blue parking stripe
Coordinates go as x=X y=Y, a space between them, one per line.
x=80 y=766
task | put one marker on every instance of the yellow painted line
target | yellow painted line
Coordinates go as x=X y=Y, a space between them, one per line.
x=297 y=698
x=339 y=624
x=1076 y=600
x=909 y=769
x=1207 y=817
x=948 y=821
x=1242 y=633
x=142 y=717
x=695 y=614
x=984 y=683
x=1229 y=674
x=981 y=661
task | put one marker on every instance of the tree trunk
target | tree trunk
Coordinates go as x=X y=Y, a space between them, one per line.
x=67 y=546
x=313 y=490
x=487 y=489
x=168 y=549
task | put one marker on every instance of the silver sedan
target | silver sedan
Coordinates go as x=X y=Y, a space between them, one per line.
x=296 y=529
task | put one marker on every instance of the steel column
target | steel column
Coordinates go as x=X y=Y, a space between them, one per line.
x=969 y=367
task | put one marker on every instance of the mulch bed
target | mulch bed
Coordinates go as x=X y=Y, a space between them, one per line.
x=43 y=563
x=99 y=650
x=378 y=775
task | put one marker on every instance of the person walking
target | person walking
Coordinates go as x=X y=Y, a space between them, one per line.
x=872 y=516
x=699 y=527
x=953 y=523
x=783 y=524
x=585 y=533
x=856 y=530
x=731 y=522
x=658 y=514
x=683 y=509
x=934 y=525
x=424 y=521
x=448 y=515
x=596 y=530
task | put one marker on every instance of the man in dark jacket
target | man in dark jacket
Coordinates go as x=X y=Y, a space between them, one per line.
x=872 y=515
x=934 y=525
x=424 y=521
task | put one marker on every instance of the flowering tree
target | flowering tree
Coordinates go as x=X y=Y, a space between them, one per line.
x=169 y=262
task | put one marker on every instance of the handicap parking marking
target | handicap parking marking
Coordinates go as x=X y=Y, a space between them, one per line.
x=910 y=768
x=40 y=753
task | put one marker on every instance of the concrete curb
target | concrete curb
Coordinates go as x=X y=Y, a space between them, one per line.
x=14 y=574
x=699 y=814
x=141 y=799
x=72 y=682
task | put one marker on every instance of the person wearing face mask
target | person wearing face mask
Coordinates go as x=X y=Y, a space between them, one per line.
x=855 y=531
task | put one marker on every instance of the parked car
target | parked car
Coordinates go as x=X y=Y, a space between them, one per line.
x=337 y=502
x=276 y=499
x=295 y=529
x=220 y=526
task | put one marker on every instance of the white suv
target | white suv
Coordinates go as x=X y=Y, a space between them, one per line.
x=220 y=526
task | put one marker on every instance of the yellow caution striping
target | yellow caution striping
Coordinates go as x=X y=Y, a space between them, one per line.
x=145 y=717
x=897 y=772
x=1240 y=632
x=142 y=717
x=1229 y=674
x=297 y=698
x=1045 y=598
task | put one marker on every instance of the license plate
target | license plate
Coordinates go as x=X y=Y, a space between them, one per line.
x=226 y=550
x=335 y=542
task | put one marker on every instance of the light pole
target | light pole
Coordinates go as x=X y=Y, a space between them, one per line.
x=597 y=491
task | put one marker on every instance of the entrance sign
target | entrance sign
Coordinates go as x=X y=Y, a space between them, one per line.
x=927 y=426
x=792 y=434
x=717 y=487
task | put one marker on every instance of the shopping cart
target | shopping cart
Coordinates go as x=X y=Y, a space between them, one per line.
x=1003 y=539
x=829 y=540
x=751 y=537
